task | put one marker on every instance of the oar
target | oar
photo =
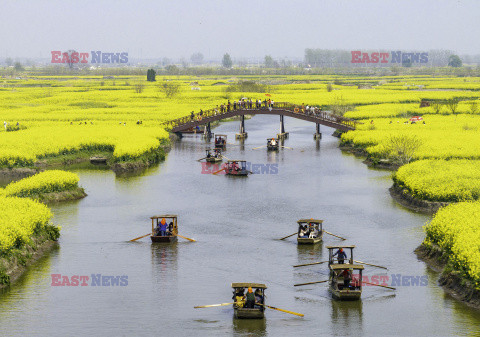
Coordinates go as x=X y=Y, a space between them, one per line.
x=218 y=171
x=202 y=158
x=334 y=235
x=288 y=236
x=287 y=147
x=259 y=147
x=308 y=264
x=184 y=237
x=379 y=285
x=213 y=305
x=304 y=284
x=369 y=264
x=225 y=157
x=283 y=310
x=141 y=237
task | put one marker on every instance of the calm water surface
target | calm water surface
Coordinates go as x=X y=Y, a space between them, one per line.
x=237 y=222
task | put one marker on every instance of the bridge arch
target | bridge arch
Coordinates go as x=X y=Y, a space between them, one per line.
x=279 y=108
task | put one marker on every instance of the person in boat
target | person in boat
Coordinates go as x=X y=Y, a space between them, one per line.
x=347 y=277
x=341 y=256
x=273 y=142
x=303 y=232
x=313 y=232
x=258 y=296
x=208 y=154
x=162 y=228
x=250 y=298
x=170 y=228
x=239 y=297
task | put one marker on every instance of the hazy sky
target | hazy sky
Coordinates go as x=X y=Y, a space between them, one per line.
x=178 y=28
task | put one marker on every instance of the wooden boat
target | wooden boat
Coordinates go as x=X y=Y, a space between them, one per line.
x=310 y=231
x=215 y=157
x=342 y=268
x=272 y=144
x=172 y=228
x=239 y=290
x=220 y=141
x=236 y=168
x=98 y=160
x=345 y=281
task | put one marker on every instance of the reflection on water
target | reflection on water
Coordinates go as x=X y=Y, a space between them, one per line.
x=347 y=317
x=164 y=260
x=249 y=327
x=35 y=278
x=310 y=253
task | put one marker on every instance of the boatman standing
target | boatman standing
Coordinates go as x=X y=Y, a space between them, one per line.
x=341 y=256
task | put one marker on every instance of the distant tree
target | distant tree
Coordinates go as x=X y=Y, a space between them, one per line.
x=138 y=87
x=197 y=58
x=151 y=75
x=437 y=106
x=329 y=87
x=165 y=62
x=454 y=61
x=18 y=66
x=407 y=63
x=452 y=104
x=9 y=61
x=269 y=62
x=473 y=107
x=170 y=89
x=71 y=62
x=227 y=61
x=172 y=69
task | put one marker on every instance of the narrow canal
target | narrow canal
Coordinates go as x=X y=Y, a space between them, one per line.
x=237 y=223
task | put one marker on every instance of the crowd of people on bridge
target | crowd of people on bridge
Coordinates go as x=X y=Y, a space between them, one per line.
x=248 y=103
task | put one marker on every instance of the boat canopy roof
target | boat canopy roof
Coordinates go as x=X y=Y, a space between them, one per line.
x=309 y=220
x=246 y=285
x=346 y=266
x=163 y=216
x=237 y=161
x=339 y=246
x=218 y=135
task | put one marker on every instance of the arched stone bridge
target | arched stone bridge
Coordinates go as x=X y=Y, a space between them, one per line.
x=317 y=116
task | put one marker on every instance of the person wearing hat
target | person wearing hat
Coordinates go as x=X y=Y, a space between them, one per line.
x=162 y=227
x=341 y=256
x=250 y=297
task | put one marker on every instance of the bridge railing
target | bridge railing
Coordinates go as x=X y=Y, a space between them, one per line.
x=294 y=108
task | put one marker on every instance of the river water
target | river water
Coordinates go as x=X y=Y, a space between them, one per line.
x=236 y=222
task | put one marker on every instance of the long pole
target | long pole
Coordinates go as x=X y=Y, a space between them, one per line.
x=288 y=236
x=308 y=264
x=283 y=310
x=379 y=285
x=304 y=284
x=369 y=264
x=334 y=235
x=141 y=237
